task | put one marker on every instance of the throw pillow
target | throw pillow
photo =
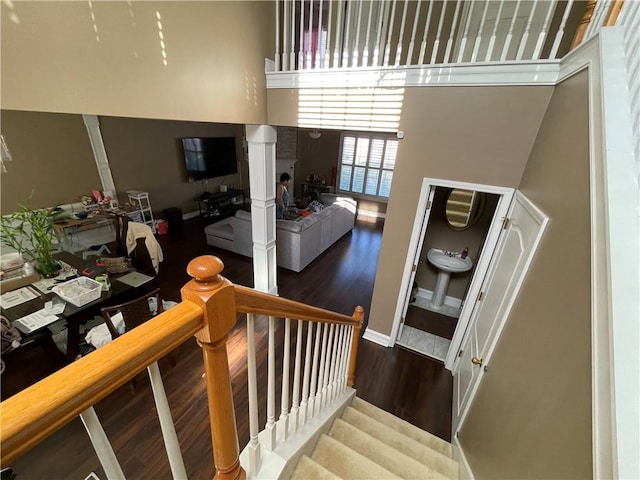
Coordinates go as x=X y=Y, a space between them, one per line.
x=316 y=206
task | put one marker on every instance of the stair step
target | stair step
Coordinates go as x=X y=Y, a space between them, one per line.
x=408 y=446
x=403 y=427
x=384 y=455
x=308 y=468
x=345 y=462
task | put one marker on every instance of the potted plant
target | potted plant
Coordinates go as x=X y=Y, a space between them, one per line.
x=30 y=232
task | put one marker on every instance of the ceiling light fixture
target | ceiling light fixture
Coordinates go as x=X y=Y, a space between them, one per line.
x=315 y=134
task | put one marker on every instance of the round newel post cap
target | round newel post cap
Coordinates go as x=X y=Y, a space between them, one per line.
x=205 y=269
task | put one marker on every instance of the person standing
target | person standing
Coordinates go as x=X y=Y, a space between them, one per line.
x=282 y=196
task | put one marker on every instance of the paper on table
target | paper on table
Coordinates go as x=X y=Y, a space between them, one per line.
x=45 y=284
x=36 y=320
x=16 y=297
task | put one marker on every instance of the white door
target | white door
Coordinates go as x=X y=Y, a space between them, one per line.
x=506 y=273
x=416 y=258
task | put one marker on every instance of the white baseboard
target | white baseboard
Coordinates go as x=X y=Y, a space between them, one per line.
x=189 y=215
x=377 y=337
x=449 y=301
x=465 y=472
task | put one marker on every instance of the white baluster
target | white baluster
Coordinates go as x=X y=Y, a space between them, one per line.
x=465 y=34
x=295 y=406
x=176 y=463
x=333 y=364
x=323 y=360
x=383 y=10
x=314 y=372
x=356 y=42
x=492 y=39
x=404 y=19
x=327 y=366
x=285 y=34
x=284 y=399
x=327 y=51
x=301 y=24
x=525 y=35
x=560 y=32
x=335 y=377
x=345 y=360
x=423 y=46
x=310 y=35
x=101 y=444
x=347 y=32
x=252 y=391
x=365 y=49
x=543 y=33
x=292 y=55
x=307 y=372
x=447 y=52
x=270 y=427
x=476 y=44
x=507 y=42
x=413 y=33
x=336 y=51
x=436 y=44
x=277 y=2
x=594 y=23
x=319 y=38
x=387 y=49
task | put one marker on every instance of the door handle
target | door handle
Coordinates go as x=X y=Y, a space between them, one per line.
x=476 y=361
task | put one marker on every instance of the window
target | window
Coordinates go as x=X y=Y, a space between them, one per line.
x=366 y=164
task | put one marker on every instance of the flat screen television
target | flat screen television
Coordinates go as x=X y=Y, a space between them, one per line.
x=209 y=157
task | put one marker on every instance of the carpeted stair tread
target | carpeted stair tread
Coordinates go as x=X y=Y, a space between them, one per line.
x=393 y=460
x=412 y=448
x=308 y=468
x=345 y=462
x=403 y=427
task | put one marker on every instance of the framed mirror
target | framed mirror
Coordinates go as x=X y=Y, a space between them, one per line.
x=463 y=208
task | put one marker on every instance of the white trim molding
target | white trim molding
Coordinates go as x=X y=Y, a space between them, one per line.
x=377 y=337
x=92 y=123
x=534 y=72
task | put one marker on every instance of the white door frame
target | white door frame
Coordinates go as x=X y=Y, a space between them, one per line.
x=506 y=195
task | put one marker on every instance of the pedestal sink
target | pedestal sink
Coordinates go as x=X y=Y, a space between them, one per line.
x=446 y=263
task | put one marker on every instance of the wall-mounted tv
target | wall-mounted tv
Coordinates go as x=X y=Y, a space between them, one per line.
x=209 y=157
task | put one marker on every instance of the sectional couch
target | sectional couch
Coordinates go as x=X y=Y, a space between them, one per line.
x=298 y=242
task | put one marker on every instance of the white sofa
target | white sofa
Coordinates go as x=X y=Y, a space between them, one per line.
x=298 y=242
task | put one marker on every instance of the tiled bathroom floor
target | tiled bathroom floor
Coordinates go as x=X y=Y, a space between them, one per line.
x=424 y=343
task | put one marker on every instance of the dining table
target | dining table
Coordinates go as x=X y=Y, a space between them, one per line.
x=75 y=316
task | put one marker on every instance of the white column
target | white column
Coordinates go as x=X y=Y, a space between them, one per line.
x=262 y=181
x=99 y=153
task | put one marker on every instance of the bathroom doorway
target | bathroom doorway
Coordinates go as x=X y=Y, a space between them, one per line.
x=456 y=229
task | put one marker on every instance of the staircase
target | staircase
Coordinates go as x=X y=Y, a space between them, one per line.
x=366 y=442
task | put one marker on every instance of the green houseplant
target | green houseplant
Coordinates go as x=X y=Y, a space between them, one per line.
x=30 y=232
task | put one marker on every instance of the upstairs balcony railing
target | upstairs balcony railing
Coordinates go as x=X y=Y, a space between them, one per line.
x=331 y=34
x=324 y=346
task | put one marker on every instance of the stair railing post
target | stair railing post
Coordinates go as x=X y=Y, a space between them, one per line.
x=217 y=297
x=358 y=314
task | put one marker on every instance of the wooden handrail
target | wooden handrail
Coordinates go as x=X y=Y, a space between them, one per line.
x=252 y=301
x=35 y=413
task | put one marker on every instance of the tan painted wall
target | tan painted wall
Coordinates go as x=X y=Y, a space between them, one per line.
x=51 y=156
x=532 y=415
x=147 y=155
x=58 y=59
x=473 y=134
x=439 y=235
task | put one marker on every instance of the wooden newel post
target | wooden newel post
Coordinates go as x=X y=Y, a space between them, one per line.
x=358 y=314
x=216 y=295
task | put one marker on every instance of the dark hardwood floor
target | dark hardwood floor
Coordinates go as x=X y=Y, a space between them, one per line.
x=408 y=385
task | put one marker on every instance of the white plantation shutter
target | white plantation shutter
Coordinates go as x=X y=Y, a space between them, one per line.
x=367 y=163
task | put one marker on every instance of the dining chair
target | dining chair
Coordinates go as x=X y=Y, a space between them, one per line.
x=134 y=313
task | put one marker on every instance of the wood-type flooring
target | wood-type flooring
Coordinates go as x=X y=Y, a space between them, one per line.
x=431 y=322
x=408 y=385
